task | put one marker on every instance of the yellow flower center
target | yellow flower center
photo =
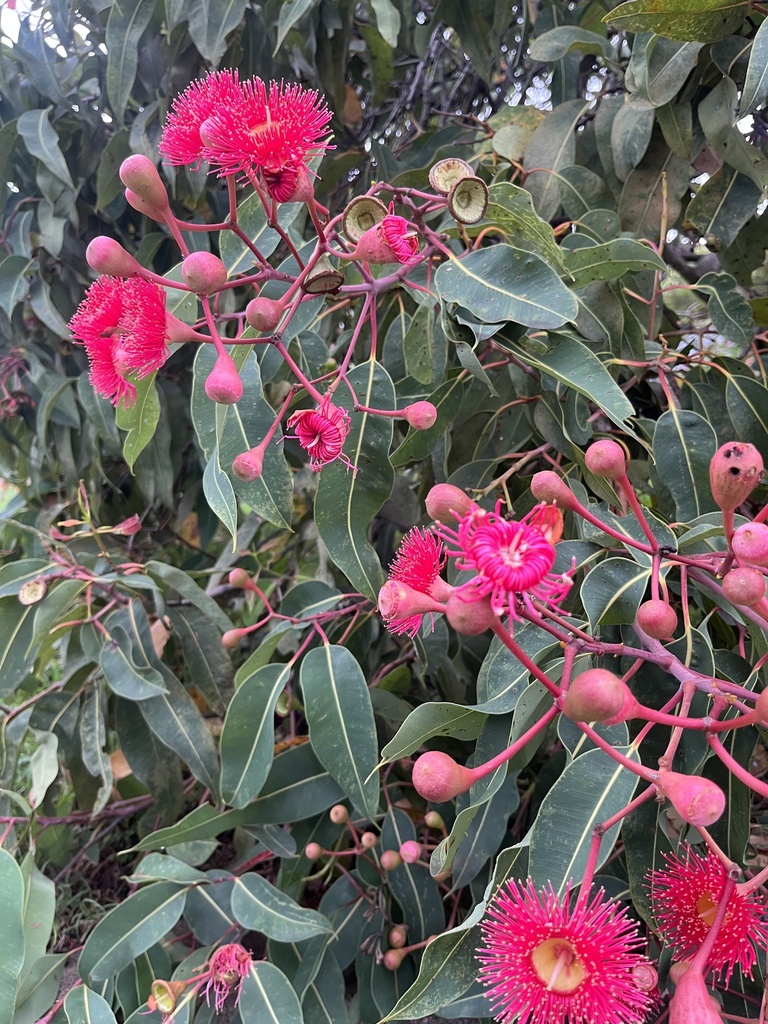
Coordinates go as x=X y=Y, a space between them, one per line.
x=558 y=965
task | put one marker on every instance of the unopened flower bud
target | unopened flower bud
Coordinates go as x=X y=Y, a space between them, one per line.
x=697 y=800
x=390 y=859
x=750 y=543
x=606 y=458
x=140 y=175
x=223 y=384
x=598 y=695
x=232 y=637
x=263 y=314
x=157 y=213
x=420 y=415
x=437 y=777
x=692 y=1003
x=106 y=256
x=444 y=500
x=312 y=851
x=249 y=465
x=410 y=851
x=548 y=486
x=469 y=617
x=744 y=586
x=339 y=814
x=398 y=601
x=368 y=840
x=734 y=472
x=657 y=619
x=397 y=937
x=434 y=819
x=393 y=958
x=203 y=272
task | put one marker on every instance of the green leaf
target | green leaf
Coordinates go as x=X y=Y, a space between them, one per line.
x=130 y=928
x=248 y=737
x=39 y=988
x=124 y=676
x=591 y=789
x=14 y=575
x=555 y=44
x=729 y=311
x=424 y=346
x=511 y=208
x=13 y=282
x=42 y=142
x=611 y=261
x=16 y=631
x=414 y=889
x=210 y=22
x=484 y=835
x=187 y=588
x=631 y=135
x=754 y=92
x=612 y=591
x=348 y=498
x=683 y=445
x=140 y=419
x=341 y=727
x=502 y=678
x=39 y=911
x=259 y=906
x=11 y=934
x=551 y=147
x=125 y=27
x=158 y=867
x=717 y=114
x=704 y=21
x=501 y=283
x=267 y=997
x=291 y=11
x=653 y=190
x=387 y=20
x=722 y=206
x=109 y=185
x=433 y=719
x=747 y=401
x=676 y=123
x=84 y=1006
x=220 y=494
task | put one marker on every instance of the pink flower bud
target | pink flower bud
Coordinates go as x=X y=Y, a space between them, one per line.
x=548 y=486
x=106 y=256
x=148 y=209
x=390 y=859
x=393 y=958
x=399 y=601
x=598 y=695
x=410 y=851
x=223 y=384
x=339 y=814
x=657 y=619
x=750 y=543
x=420 y=415
x=761 y=707
x=437 y=777
x=263 y=314
x=606 y=458
x=397 y=937
x=444 y=500
x=203 y=272
x=312 y=851
x=232 y=638
x=697 y=800
x=692 y=1003
x=734 y=472
x=140 y=175
x=128 y=527
x=469 y=617
x=434 y=819
x=249 y=465
x=744 y=586
x=368 y=840
x=239 y=578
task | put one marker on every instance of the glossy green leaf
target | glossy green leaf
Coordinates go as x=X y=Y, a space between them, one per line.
x=683 y=445
x=11 y=934
x=729 y=311
x=219 y=493
x=297 y=787
x=721 y=207
x=348 y=498
x=210 y=22
x=341 y=727
x=267 y=997
x=511 y=208
x=748 y=409
x=611 y=261
x=14 y=575
x=158 y=867
x=704 y=21
x=291 y=13
x=130 y=928
x=555 y=44
x=613 y=590
x=591 y=789
x=259 y=906
x=140 y=419
x=502 y=678
x=84 y=1006
x=124 y=676
x=125 y=27
x=433 y=719
x=551 y=147
x=42 y=141
x=248 y=737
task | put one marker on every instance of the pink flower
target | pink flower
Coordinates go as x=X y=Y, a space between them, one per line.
x=122 y=325
x=275 y=129
x=227 y=968
x=399 y=236
x=685 y=898
x=181 y=142
x=321 y=432
x=547 y=964
x=511 y=559
x=417 y=564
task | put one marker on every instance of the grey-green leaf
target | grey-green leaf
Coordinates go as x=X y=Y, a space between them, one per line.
x=260 y=906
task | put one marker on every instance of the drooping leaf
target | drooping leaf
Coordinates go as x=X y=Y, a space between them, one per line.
x=704 y=21
x=11 y=934
x=125 y=27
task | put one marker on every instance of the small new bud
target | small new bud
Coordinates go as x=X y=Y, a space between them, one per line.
x=469 y=617
x=410 y=851
x=263 y=314
x=697 y=800
x=203 y=272
x=598 y=695
x=249 y=465
x=607 y=459
x=657 y=619
x=734 y=472
x=420 y=415
x=140 y=175
x=312 y=851
x=437 y=777
x=750 y=543
x=339 y=814
x=240 y=578
x=106 y=256
x=744 y=586
x=548 y=486
x=434 y=819
x=443 y=500
x=368 y=840
x=397 y=937
x=223 y=384
x=390 y=859
x=232 y=637
x=393 y=958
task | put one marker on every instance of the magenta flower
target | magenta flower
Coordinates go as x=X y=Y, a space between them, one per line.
x=122 y=324
x=321 y=432
x=545 y=963
x=399 y=236
x=511 y=559
x=685 y=898
x=227 y=968
x=181 y=142
x=417 y=565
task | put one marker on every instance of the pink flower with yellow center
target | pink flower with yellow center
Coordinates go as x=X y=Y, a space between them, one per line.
x=511 y=559
x=181 y=142
x=227 y=968
x=400 y=237
x=545 y=963
x=321 y=432
x=685 y=898
x=122 y=324
x=416 y=567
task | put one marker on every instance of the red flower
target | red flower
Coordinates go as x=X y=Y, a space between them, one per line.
x=181 y=142
x=511 y=559
x=398 y=235
x=122 y=325
x=321 y=432
x=274 y=130
x=685 y=898
x=547 y=964
x=417 y=564
x=226 y=969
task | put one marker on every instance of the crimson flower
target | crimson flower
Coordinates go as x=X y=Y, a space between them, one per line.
x=181 y=142
x=685 y=898
x=227 y=968
x=401 y=239
x=511 y=559
x=417 y=564
x=545 y=963
x=122 y=325
x=321 y=432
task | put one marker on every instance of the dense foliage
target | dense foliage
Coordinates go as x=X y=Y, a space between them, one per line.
x=213 y=694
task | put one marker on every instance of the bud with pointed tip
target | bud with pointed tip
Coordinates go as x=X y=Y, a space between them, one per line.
x=232 y=638
x=691 y=1002
x=223 y=384
x=249 y=465
x=697 y=800
x=598 y=695
x=263 y=314
x=105 y=255
x=203 y=272
x=239 y=578
x=420 y=415
x=437 y=777
x=133 y=199
x=735 y=470
x=548 y=486
x=744 y=586
x=469 y=617
x=140 y=175
x=657 y=619
x=606 y=458
x=444 y=500
x=750 y=543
